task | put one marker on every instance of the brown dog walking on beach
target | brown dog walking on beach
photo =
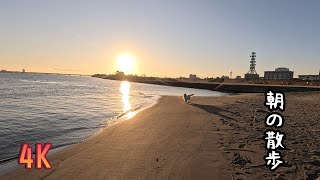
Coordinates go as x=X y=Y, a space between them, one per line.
x=187 y=98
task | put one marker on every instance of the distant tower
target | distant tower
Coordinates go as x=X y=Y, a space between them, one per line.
x=23 y=70
x=231 y=74
x=252 y=69
x=252 y=73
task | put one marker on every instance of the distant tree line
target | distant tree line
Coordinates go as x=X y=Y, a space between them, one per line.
x=119 y=75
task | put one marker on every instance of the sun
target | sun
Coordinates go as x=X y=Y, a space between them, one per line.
x=126 y=62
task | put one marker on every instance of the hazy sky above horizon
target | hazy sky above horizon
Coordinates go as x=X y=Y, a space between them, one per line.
x=168 y=37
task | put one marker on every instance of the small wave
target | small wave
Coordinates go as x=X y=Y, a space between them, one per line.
x=27 y=80
x=128 y=111
x=6 y=160
x=38 y=81
x=146 y=95
x=50 y=82
x=140 y=93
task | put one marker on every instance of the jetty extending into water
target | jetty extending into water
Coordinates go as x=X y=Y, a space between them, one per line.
x=236 y=88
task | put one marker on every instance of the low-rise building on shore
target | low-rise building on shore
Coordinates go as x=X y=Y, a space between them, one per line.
x=309 y=77
x=193 y=77
x=279 y=73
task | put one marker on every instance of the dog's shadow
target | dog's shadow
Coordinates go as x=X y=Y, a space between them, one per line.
x=214 y=110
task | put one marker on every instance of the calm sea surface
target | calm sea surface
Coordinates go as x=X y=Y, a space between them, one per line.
x=58 y=109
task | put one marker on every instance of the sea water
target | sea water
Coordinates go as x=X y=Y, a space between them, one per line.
x=63 y=110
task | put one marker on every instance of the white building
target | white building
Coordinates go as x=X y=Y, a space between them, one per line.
x=309 y=77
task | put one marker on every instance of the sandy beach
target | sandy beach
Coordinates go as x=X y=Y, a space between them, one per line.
x=211 y=138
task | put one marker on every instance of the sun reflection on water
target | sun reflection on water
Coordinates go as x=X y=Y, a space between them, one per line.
x=125 y=93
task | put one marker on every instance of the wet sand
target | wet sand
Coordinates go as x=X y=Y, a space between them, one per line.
x=211 y=138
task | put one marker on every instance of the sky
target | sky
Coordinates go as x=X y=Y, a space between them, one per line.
x=168 y=38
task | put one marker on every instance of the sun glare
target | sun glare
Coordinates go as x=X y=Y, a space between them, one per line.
x=125 y=63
